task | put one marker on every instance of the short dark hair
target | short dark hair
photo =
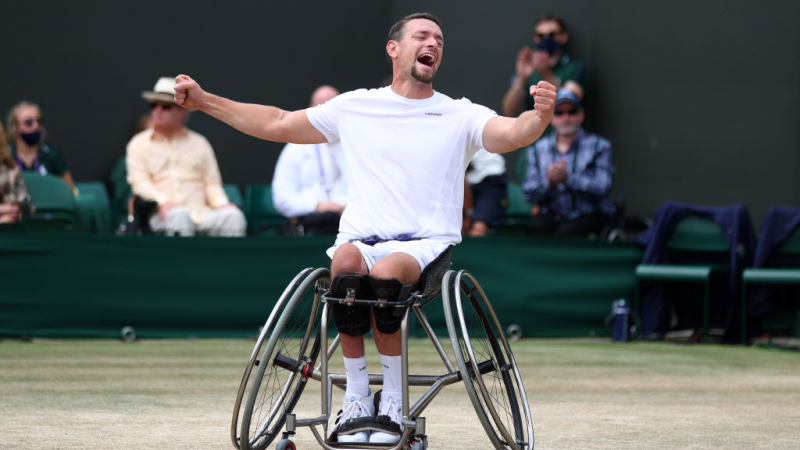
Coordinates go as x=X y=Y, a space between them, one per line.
x=552 y=18
x=398 y=29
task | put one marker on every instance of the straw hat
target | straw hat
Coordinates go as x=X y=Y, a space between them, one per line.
x=163 y=91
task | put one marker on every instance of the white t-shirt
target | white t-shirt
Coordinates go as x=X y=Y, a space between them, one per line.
x=407 y=160
x=306 y=175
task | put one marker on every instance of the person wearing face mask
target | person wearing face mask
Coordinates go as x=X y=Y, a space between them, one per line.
x=26 y=137
x=546 y=61
x=569 y=176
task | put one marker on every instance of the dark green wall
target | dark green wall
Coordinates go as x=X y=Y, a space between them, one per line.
x=699 y=98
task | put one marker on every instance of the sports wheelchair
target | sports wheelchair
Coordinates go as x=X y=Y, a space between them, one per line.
x=293 y=347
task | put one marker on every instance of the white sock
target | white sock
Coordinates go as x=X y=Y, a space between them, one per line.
x=392 y=377
x=357 y=376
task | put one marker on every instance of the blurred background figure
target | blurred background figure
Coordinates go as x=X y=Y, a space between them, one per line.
x=569 y=176
x=176 y=168
x=548 y=61
x=485 y=193
x=310 y=181
x=26 y=136
x=14 y=198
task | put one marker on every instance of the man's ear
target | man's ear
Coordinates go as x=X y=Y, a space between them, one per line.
x=563 y=38
x=391 y=49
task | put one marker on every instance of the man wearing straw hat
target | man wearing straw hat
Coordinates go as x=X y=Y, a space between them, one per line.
x=176 y=168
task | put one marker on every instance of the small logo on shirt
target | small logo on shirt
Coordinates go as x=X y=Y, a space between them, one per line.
x=432 y=114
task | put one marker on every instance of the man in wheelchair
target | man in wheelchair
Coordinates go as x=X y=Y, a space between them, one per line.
x=407 y=148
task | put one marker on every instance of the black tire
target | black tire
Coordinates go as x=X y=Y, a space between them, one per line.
x=278 y=384
x=486 y=363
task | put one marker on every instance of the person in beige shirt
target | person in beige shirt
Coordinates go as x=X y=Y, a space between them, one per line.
x=176 y=167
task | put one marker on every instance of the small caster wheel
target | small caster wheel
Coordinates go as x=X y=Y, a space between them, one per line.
x=285 y=444
x=419 y=444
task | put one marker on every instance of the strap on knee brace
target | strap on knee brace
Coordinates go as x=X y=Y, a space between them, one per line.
x=349 y=286
x=388 y=290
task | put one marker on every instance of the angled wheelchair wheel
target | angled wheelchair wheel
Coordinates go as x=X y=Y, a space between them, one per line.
x=252 y=363
x=487 y=366
x=291 y=348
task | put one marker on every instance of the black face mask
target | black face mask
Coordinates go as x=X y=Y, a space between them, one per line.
x=549 y=45
x=31 y=138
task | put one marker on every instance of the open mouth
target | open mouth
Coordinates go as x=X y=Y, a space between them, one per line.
x=427 y=59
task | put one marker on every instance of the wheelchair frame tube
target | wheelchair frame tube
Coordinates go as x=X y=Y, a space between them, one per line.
x=323 y=379
x=432 y=336
x=404 y=359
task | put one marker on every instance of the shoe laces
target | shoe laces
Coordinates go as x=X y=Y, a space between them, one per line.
x=354 y=408
x=393 y=408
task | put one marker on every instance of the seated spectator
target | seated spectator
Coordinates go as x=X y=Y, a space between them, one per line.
x=14 y=198
x=310 y=181
x=547 y=60
x=176 y=168
x=26 y=136
x=485 y=193
x=569 y=176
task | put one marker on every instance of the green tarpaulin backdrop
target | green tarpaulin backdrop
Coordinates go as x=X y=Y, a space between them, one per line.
x=85 y=285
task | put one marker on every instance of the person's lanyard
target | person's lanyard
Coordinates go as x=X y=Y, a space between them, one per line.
x=325 y=181
x=34 y=167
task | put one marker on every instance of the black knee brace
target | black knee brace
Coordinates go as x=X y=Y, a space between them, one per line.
x=388 y=319
x=350 y=320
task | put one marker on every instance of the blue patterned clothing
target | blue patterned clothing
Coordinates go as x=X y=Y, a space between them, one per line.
x=590 y=172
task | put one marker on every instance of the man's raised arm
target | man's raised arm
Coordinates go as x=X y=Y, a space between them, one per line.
x=505 y=134
x=264 y=122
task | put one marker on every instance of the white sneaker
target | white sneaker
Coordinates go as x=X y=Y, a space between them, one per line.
x=392 y=407
x=352 y=408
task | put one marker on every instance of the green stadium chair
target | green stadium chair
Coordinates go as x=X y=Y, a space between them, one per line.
x=771 y=275
x=94 y=207
x=120 y=193
x=693 y=234
x=53 y=201
x=262 y=217
x=518 y=213
x=234 y=194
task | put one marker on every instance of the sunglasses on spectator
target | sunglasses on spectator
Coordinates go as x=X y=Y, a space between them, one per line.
x=544 y=35
x=162 y=105
x=29 y=122
x=569 y=112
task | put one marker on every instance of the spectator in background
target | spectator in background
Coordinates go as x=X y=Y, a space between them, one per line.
x=547 y=61
x=26 y=136
x=485 y=193
x=14 y=198
x=176 y=168
x=569 y=175
x=310 y=181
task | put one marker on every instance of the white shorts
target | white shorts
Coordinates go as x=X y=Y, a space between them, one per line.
x=423 y=250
